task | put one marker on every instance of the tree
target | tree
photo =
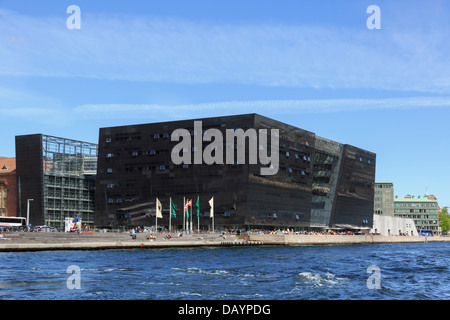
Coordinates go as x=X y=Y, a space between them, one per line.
x=444 y=221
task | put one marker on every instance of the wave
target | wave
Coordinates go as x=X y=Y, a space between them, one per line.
x=202 y=271
x=320 y=279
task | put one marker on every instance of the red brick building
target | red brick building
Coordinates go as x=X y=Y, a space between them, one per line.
x=8 y=187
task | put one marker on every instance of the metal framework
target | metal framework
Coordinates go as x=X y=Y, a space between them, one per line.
x=69 y=168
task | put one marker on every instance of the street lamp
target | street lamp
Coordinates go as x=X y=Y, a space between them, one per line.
x=28 y=211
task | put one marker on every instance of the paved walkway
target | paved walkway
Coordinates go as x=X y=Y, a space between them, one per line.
x=34 y=241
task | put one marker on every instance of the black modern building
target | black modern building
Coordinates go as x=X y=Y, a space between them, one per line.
x=55 y=179
x=319 y=183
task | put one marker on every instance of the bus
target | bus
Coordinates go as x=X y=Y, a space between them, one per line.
x=426 y=233
x=13 y=222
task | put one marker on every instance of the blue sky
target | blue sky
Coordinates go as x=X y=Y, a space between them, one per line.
x=311 y=64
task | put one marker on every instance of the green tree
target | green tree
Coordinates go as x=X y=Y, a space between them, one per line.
x=444 y=221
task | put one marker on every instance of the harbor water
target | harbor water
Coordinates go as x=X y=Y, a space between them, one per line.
x=406 y=271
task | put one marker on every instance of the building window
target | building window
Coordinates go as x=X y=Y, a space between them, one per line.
x=108 y=140
x=3 y=196
x=162 y=167
x=109 y=170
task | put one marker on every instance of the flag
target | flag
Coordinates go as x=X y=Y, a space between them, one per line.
x=158 y=209
x=198 y=207
x=173 y=211
x=211 y=204
x=186 y=211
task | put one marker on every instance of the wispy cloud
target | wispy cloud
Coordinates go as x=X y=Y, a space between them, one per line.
x=30 y=107
x=157 y=49
x=266 y=107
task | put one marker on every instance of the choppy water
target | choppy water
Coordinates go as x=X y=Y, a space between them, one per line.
x=407 y=271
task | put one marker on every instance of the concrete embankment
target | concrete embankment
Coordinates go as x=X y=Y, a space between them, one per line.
x=41 y=241
x=282 y=239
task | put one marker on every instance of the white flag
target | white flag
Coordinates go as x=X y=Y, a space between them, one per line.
x=158 y=209
x=211 y=204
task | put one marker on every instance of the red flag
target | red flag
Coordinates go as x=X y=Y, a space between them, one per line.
x=189 y=203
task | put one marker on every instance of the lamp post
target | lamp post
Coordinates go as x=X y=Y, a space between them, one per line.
x=28 y=211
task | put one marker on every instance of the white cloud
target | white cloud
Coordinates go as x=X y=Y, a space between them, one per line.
x=139 y=48
x=264 y=107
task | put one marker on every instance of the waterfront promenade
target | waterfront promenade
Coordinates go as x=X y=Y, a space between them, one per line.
x=41 y=241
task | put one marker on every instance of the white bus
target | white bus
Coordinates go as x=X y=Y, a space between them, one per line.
x=13 y=222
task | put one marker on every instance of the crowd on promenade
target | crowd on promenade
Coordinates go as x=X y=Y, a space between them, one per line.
x=223 y=232
x=301 y=232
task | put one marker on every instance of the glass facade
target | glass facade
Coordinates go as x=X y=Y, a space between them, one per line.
x=384 y=199
x=59 y=175
x=320 y=183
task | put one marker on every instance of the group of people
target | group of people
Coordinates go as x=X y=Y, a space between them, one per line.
x=304 y=232
x=2 y=237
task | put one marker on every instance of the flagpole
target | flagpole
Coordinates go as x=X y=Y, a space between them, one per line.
x=192 y=212
x=198 y=215
x=184 y=213
x=187 y=218
x=170 y=215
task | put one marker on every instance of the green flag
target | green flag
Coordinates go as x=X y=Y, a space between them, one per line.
x=173 y=211
x=198 y=207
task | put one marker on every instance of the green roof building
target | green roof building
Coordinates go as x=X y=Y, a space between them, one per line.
x=423 y=210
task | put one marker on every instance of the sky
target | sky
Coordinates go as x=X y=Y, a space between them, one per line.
x=312 y=64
